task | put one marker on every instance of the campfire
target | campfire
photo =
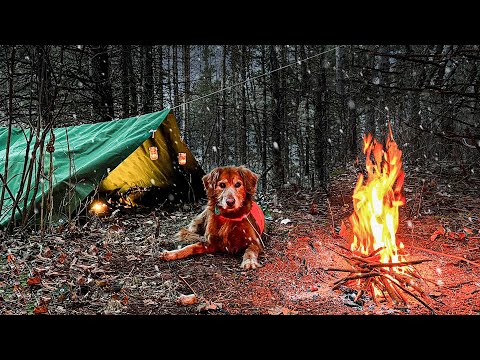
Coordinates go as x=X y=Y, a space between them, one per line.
x=378 y=260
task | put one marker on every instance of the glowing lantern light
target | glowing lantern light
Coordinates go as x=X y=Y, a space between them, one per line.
x=99 y=207
x=182 y=158
x=153 y=152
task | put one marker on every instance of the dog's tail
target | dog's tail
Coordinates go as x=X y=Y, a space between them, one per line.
x=189 y=237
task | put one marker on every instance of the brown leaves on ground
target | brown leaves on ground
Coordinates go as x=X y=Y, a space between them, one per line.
x=110 y=265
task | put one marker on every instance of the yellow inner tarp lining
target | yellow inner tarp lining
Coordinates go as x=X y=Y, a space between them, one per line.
x=137 y=170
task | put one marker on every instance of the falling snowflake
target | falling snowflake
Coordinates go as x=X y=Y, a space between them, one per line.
x=170 y=197
x=214 y=148
x=275 y=145
x=351 y=104
x=152 y=181
x=341 y=131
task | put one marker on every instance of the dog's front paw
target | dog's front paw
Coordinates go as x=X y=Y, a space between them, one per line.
x=168 y=255
x=250 y=263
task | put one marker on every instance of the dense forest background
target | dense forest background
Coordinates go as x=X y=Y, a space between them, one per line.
x=294 y=113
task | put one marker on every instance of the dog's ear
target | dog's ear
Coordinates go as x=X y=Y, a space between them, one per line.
x=249 y=179
x=210 y=180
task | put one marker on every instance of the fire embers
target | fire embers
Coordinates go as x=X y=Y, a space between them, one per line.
x=377 y=257
x=389 y=281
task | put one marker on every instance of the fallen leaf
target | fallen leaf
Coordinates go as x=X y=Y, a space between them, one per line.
x=47 y=252
x=435 y=294
x=101 y=283
x=107 y=256
x=313 y=209
x=124 y=301
x=39 y=271
x=147 y=302
x=114 y=227
x=44 y=300
x=285 y=221
x=61 y=258
x=279 y=310
x=42 y=309
x=93 y=250
x=34 y=280
x=132 y=258
x=81 y=280
x=209 y=305
x=187 y=299
x=439 y=231
x=468 y=231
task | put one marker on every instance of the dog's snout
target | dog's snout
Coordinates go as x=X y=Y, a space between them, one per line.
x=230 y=202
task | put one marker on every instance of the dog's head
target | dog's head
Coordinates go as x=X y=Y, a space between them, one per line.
x=230 y=186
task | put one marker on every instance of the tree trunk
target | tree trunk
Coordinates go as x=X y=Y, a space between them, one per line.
x=148 y=89
x=351 y=108
x=277 y=119
x=321 y=125
x=176 y=100
x=161 y=77
x=125 y=89
x=186 y=78
x=223 y=122
x=264 y=121
x=11 y=72
x=340 y=90
x=243 y=123
x=102 y=98
x=132 y=81
x=284 y=129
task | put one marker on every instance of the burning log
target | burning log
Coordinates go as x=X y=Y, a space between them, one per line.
x=381 y=281
x=377 y=258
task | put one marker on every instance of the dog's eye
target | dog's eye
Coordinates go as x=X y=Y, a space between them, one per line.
x=222 y=185
x=238 y=184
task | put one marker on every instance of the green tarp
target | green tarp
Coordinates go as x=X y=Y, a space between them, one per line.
x=91 y=153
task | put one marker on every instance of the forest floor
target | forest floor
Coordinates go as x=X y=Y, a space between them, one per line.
x=111 y=265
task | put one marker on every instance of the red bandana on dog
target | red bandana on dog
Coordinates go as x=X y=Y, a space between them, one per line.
x=257 y=214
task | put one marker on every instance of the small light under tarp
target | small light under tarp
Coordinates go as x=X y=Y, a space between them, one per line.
x=99 y=207
x=153 y=152
x=182 y=158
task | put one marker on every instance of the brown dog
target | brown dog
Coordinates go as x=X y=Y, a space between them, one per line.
x=231 y=221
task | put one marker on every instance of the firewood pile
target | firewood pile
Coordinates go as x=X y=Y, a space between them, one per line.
x=393 y=282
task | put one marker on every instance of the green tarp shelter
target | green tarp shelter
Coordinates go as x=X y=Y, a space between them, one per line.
x=112 y=155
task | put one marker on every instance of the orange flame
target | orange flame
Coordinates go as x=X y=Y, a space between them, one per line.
x=376 y=202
